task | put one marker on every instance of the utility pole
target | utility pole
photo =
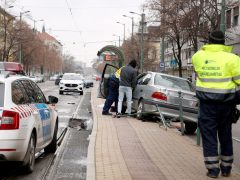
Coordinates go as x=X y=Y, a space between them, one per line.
x=222 y=23
x=142 y=23
x=162 y=64
x=142 y=41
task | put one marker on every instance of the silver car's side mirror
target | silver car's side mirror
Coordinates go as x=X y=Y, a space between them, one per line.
x=145 y=82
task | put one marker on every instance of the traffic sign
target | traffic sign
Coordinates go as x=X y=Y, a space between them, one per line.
x=162 y=64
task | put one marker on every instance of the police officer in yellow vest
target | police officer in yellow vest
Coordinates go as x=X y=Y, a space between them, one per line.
x=218 y=77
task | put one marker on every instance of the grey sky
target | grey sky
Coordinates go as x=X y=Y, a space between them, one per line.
x=76 y=23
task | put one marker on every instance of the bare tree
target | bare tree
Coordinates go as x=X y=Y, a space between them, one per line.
x=173 y=29
x=184 y=21
x=131 y=49
x=68 y=63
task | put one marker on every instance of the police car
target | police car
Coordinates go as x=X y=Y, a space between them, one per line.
x=28 y=122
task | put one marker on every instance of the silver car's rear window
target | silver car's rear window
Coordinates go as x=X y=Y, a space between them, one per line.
x=172 y=82
x=1 y=94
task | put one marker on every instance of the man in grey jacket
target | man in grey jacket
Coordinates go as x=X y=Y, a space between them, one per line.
x=126 y=84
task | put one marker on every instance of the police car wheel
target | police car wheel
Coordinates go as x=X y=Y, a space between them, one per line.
x=140 y=110
x=190 y=127
x=29 y=166
x=81 y=92
x=52 y=147
x=60 y=92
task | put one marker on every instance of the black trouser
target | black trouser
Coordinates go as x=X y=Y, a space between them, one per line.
x=215 y=123
x=112 y=97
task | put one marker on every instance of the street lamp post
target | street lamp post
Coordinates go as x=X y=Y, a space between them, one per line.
x=142 y=39
x=34 y=23
x=123 y=30
x=132 y=24
x=118 y=39
x=20 y=29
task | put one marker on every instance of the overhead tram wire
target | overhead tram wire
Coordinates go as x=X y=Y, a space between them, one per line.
x=66 y=30
x=84 y=45
x=73 y=19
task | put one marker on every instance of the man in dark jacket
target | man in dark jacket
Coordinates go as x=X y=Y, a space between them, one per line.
x=112 y=95
x=127 y=82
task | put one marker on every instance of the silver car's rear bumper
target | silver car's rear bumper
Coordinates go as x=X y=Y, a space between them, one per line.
x=170 y=110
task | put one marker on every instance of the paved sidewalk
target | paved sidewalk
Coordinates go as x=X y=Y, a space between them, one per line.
x=127 y=148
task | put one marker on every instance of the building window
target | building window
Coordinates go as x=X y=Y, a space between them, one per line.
x=228 y=19
x=235 y=15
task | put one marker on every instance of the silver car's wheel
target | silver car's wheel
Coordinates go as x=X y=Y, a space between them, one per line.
x=140 y=110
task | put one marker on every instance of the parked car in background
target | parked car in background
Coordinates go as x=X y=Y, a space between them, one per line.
x=54 y=77
x=58 y=79
x=28 y=121
x=98 y=78
x=88 y=83
x=163 y=90
x=71 y=82
x=40 y=78
x=34 y=78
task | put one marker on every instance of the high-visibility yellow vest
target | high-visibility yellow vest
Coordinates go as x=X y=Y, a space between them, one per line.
x=218 y=72
x=118 y=72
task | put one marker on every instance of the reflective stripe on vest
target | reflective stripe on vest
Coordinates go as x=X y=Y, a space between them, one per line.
x=236 y=78
x=215 y=80
x=222 y=91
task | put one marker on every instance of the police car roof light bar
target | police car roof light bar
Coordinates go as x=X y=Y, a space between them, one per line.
x=12 y=67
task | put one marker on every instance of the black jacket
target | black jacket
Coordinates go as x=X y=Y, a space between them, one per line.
x=128 y=76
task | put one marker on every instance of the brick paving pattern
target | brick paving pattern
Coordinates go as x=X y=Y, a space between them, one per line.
x=139 y=163
x=126 y=148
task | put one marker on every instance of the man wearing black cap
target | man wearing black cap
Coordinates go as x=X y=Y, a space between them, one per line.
x=218 y=76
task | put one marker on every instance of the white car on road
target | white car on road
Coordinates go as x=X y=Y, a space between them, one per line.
x=71 y=82
x=28 y=122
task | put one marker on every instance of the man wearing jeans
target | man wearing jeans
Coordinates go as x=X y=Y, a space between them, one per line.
x=126 y=84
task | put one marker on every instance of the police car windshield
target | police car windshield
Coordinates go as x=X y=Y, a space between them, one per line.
x=1 y=94
x=72 y=77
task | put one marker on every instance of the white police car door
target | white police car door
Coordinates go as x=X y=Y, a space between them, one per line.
x=38 y=102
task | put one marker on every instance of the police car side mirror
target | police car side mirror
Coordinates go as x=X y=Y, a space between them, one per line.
x=52 y=100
